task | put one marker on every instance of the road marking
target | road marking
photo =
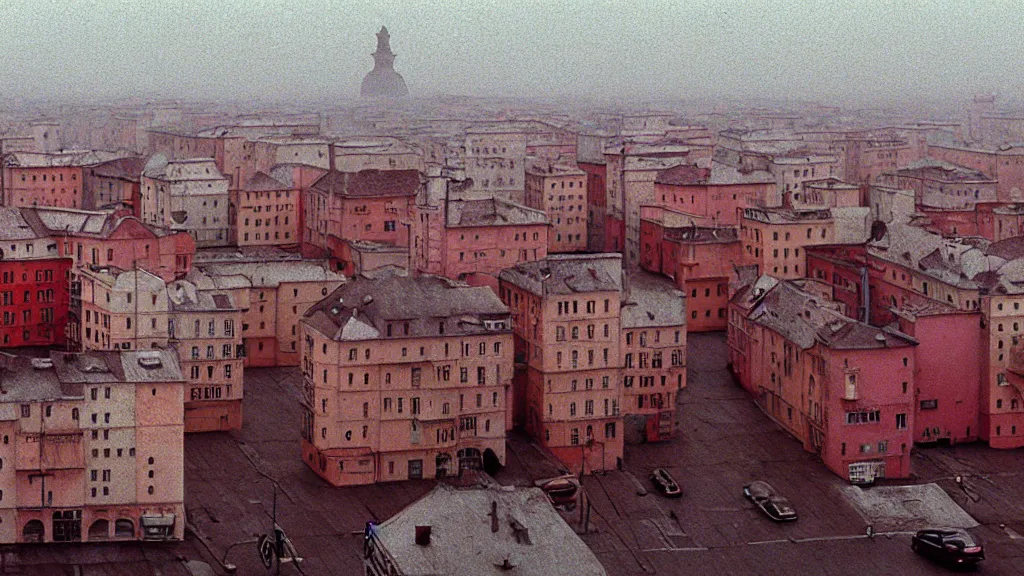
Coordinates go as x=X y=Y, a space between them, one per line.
x=785 y=541
x=687 y=549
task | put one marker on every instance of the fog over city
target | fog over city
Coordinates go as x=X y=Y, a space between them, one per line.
x=275 y=50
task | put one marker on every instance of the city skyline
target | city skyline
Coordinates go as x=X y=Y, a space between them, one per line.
x=861 y=52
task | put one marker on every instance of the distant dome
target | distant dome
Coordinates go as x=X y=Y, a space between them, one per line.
x=383 y=81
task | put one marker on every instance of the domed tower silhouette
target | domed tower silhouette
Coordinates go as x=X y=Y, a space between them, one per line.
x=383 y=81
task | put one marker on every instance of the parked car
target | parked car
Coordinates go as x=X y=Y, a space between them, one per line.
x=953 y=547
x=562 y=491
x=665 y=483
x=768 y=500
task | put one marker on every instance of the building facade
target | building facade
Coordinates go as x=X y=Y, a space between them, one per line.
x=97 y=447
x=405 y=378
x=567 y=318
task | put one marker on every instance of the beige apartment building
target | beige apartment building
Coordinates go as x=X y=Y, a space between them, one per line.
x=566 y=313
x=94 y=444
x=135 y=310
x=190 y=195
x=404 y=378
x=204 y=326
x=118 y=310
x=278 y=294
x=561 y=193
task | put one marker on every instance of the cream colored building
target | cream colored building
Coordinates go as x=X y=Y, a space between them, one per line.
x=278 y=294
x=94 y=444
x=190 y=195
x=561 y=192
x=404 y=378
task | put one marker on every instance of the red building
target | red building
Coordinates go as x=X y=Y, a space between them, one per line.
x=34 y=283
x=369 y=205
x=597 y=210
x=700 y=261
x=693 y=191
x=845 y=389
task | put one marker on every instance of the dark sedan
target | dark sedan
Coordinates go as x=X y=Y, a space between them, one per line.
x=953 y=547
x=665 y=483
x=768 y=500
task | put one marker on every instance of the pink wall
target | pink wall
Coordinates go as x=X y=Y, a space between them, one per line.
x=949 y=373
x=881 y=374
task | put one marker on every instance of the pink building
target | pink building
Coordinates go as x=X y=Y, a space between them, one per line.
x=843 y=388
x=112 y=239
x=1005 y=165
x=567 y=318
x=267 y=213
x=473 y=239
x=97 y=447
x=31 y=179
x=405 y=378
x=699 y=260
x=948 y=361
x=703 y=195
x=367 y=205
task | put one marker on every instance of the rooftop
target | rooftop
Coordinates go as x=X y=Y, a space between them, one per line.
x=491 y=212
x=652 y=300
x=683 y=175
x=785 y=215
x=272 y=274
x=702 y=234
x=524 y=535
x=806 y=319
x=568 y=274
x=931 y=169
x=365 y=307
x=261 y=182
x=369 y=183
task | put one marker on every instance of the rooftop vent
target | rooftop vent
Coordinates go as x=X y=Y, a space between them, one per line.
x=150 y=360
x=880 y=337
x=367 y=299
x=423 y=535
x=42 y=363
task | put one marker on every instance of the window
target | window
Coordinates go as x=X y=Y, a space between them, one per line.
x=901 y=421
x=863 y=417
x=929 y=404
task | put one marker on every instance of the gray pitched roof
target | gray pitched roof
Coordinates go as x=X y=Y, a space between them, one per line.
x=568 y=274
x=530 y=535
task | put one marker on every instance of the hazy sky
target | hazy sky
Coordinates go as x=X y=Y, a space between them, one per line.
x=281 y=49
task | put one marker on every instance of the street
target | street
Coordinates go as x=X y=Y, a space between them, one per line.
x=724 y=443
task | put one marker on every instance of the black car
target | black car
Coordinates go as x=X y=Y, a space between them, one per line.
x=665 y=483
x=768 y=500
x=953 y=547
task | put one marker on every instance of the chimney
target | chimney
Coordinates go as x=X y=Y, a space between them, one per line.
x=423 y=535
x=494 y=516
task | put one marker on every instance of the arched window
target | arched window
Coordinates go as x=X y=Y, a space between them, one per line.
x=34 y=531
x=124 y=528
x=100 y=530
